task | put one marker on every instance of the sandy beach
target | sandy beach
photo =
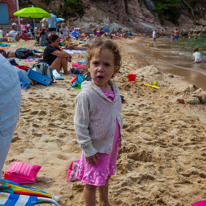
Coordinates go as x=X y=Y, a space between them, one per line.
x=162 y=158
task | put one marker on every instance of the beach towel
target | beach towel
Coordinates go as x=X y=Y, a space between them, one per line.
x=28 y=59
x=74 y=51
x=7 y=199
x=4 y=45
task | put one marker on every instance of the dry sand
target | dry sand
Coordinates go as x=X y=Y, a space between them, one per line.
x=162 y=158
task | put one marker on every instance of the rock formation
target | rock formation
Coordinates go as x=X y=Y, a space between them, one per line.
x=131 y=15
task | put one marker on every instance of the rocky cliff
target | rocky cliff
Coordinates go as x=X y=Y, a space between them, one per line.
x=133 y=15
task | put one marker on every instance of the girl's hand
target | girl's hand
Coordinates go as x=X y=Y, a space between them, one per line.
x=120 y=145
x=92 y=160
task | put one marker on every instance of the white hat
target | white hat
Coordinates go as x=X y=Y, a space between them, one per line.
x=14 y=24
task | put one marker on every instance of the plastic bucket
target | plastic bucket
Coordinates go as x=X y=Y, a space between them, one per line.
x=131 y=77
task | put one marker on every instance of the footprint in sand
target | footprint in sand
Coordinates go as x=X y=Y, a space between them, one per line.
x=42 y=113
x=34 y=112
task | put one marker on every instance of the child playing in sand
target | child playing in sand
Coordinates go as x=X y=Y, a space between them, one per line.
x=64 y=29
x=197 y=56
x=98 y=122
x=172 y=36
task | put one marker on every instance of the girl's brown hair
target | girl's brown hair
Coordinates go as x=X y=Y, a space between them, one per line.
x=99 y=46
x=196 y=49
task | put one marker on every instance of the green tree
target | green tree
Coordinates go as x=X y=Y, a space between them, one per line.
x=163 y=5
x=74 y=7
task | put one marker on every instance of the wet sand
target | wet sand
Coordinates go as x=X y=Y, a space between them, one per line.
x=167 y=61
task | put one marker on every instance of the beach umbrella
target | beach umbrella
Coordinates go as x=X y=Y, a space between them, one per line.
x=60 y=19
x=32 y=12
x=20 y=190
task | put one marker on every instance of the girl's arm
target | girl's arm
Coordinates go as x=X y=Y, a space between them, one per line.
x=83 y=107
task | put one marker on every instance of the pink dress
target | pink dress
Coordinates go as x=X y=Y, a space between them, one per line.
x=106 y=164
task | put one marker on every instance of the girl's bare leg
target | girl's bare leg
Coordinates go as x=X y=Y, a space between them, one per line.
x=90 y=195
x=103 y=194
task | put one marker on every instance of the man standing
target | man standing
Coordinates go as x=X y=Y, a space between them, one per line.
x=52 y=23
x=10 y=102
x=176 y=34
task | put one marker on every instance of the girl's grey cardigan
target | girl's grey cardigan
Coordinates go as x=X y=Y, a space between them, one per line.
x=95 y=118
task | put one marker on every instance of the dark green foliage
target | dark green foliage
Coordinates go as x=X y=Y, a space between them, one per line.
x=168 y=7
x=70 y=7
x=74 y=7
x=46 y=1
x=164 y=5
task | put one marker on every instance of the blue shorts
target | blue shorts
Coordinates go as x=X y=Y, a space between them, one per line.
x=176 y=37
x=52 y=29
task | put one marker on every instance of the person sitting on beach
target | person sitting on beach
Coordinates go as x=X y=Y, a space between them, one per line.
x=98 y=122
x=23 y=24
x=64 y=29
x=69 y=45
x=54 y=56
x=197 y=56
x=74 y=33
x=13 y=33
x=154 y=35
x=176 y=34
x=43 y=23
x=44 y=38
x=118 y=34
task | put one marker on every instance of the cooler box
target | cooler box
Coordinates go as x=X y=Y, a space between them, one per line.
x=39 y=77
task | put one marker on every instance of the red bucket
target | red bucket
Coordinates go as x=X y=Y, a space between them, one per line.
x=131 y=77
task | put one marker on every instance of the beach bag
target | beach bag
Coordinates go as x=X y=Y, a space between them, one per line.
x=23 y=53
x=21 y=172
x=72 y=169
x=44 y=69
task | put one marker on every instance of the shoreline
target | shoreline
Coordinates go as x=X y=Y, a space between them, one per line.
x=188 y=75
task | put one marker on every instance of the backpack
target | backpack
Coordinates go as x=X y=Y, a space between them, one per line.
x=43 y=68
x=23 y=53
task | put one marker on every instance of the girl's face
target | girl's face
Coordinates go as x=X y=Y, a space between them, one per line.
x=102 y=68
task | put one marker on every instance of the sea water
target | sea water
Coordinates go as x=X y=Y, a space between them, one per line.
x=177 y=56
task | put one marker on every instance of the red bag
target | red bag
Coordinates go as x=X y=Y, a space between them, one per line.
x=72 y=169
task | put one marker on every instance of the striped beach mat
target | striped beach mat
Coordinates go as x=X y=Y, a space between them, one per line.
x=7 y=199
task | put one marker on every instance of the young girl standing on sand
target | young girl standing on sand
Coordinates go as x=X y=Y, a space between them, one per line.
x=98 y=122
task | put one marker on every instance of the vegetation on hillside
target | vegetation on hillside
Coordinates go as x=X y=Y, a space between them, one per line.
x=168 y=7
x=70 y=7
